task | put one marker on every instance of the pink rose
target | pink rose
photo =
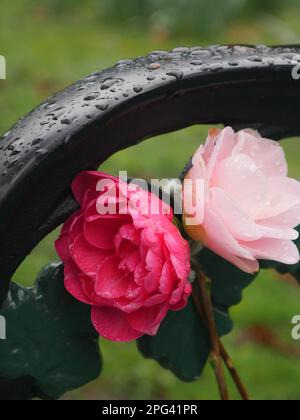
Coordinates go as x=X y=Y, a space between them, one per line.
x=132 y=267
x=251 y=207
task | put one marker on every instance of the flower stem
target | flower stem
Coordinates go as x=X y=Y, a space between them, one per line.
x=204 y=306
x=234 y=373
x=214 y=338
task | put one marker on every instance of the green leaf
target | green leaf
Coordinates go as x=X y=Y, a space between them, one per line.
x=50 y=340
x=228 y=281
x=182 y=343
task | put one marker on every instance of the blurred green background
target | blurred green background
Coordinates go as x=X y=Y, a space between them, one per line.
x=51 y=43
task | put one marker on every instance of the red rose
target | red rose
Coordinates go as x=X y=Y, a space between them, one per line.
x=131 y=266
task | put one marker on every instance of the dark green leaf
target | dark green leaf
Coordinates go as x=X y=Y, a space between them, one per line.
x=182 y=343
x=228 y=282
x=50 y=338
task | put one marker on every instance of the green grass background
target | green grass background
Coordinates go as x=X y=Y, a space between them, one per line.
x=48 y=45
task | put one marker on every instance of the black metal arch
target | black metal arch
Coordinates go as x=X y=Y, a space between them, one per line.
x=81 y=126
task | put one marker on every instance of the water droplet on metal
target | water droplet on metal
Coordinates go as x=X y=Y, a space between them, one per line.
x=197 y=62
x=40 y=154
x=138 y=89
x=177 y=74
x=108 y=83
x=255 y=58
x=102 y=107
x=36 y=141
x=91 y=97
x=154 y=66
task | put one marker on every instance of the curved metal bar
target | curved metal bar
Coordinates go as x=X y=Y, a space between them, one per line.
x=81 y=126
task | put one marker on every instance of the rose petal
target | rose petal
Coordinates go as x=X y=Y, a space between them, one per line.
x=73 y=284
x=126 y=233
x=151 y=282
x=131 y=261
x=236 y=221
x=87 y=181
x=112 y=324
x=224 y=144
x=220 y=240
x=167 y=278
x=87 y=257
x=248 y=266
x=284 y=193
x=290 y=218
x=246 y=184
x=111 y=282
x=274 y=249
x=267 y=154
x=101 y=233
x=147 y=320
x=277 y=232
x=208 y=148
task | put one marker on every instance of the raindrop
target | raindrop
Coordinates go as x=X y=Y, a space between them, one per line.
x=108 y=83
x=255 y=58
x=233 y=63
x=102 y=107
x=138 y=89
x=68 y=121
x=40 y=154
x=15 y=150
x=6 y=134
x=181 y=50
x=91 y=97
x=36 y=141
x=13 y=162
x=158 y=52
x=197 y=62
x=124 y=62
x=67 y=139
x=50 y=105
x=177 y=74
x=154 y=66
x=44 y=122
